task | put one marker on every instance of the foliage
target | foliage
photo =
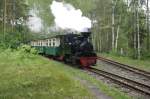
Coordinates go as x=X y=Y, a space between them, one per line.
x=27 y=49
x=15 y=38
x=129 y=40
x=12 y=18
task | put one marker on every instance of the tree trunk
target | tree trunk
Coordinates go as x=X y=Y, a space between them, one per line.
x=13 y=14
x=117 y=36
x=113 y=23
x=4 y=19
x=147 y=21
x=135 y=29
x=113 y=26
x=138 y=34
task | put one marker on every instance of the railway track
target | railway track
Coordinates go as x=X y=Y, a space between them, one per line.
x=126 y=67
x=130 y=84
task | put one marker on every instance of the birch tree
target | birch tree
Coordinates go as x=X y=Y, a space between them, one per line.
x=147 y=22
x=138 y=30
x=114 y=2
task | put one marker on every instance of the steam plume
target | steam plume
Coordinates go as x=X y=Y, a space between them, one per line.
x=34 y=22
x=67 y=17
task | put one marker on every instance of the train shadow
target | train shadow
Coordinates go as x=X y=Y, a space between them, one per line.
x=75 y=66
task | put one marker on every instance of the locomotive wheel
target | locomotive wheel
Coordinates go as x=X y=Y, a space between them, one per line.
x=66 y=59
x=74 y=60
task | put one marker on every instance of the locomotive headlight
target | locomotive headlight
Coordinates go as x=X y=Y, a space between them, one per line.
x=69 y=43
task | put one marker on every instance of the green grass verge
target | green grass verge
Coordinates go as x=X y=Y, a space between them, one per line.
x=141 y=64
x=27 y=76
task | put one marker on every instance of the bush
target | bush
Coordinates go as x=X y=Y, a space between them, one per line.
x=27 y=49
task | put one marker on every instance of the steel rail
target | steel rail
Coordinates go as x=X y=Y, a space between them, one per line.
x=145 y=89
x=127 y=67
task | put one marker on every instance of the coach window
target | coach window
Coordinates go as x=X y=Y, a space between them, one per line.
x=34 y=43
x=42 y=43
x=53 y=44
x=31 y=43
x=39 y=43
x=54 y=40
x=57 y=42
x=46 y=41
x=50 y=43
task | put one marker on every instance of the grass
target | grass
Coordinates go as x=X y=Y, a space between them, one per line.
x=24 y=76
x=28 y=76
x=141 y=64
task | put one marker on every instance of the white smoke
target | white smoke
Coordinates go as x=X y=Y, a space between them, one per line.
x=67 y=17
x=34 y=22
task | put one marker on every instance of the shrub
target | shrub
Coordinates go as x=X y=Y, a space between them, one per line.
x=27 y=49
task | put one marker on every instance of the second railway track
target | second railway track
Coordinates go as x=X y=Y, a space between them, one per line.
x=126 y=67
x=130 y=84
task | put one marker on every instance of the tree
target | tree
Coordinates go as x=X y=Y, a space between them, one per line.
x=147 y=21
x=12 y=12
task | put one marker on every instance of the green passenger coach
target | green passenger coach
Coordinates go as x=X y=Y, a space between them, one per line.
x=51 y=46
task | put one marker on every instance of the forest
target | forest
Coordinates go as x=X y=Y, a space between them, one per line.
x=119 y=27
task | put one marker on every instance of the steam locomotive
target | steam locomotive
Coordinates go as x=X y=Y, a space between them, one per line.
x=70 y=48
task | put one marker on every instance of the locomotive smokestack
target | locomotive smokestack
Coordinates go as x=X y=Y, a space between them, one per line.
x=86 y=33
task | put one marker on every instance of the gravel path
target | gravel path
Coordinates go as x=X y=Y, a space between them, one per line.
x=94 y=90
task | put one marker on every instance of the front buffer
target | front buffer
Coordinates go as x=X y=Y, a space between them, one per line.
x=87 y=61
